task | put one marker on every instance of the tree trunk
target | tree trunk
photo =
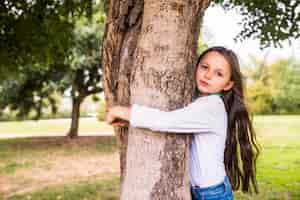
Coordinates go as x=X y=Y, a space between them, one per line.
x=73 y=132
x=163 y=77
x=161 y=72
x=121 y=32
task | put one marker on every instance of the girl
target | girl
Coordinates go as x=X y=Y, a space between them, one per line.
x=224 y=150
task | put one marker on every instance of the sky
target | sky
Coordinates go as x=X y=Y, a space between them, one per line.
x=220 y=27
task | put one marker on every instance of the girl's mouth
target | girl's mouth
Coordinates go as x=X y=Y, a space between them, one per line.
x=203 y=83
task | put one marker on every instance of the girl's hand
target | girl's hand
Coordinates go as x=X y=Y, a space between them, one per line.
x=111 y=115
x=120 y=123
x=118 y=116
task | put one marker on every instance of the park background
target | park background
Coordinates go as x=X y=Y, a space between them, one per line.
x=36 y=162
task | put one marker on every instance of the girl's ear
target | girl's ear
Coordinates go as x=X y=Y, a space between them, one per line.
x=228 y=86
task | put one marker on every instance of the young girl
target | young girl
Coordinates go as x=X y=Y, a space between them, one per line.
x=223 y=152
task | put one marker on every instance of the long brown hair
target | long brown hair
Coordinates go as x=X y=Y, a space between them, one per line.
x=242 y=149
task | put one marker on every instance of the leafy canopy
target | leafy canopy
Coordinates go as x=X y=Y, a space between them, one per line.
x=269 y=21
x=37 y=31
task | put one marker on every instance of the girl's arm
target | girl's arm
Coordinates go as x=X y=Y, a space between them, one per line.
x=199 y=116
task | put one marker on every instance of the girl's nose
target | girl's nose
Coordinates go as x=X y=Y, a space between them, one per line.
x=208 y=74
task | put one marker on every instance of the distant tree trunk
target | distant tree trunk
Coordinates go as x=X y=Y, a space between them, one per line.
x=160 y=64
x=73 y=132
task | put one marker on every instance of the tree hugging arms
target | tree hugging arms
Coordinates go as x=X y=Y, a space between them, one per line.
x=118 y=116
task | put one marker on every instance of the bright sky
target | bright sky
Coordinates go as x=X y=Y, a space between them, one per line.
x=220 y=28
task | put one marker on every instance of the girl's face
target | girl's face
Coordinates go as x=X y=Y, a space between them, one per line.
x=213 y=74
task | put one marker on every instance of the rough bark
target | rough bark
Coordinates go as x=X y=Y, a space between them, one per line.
x=73 y=132
x=151 y=47
x=121 y=32
x=162 y=77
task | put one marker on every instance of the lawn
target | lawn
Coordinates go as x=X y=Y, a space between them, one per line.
x=59 y=168
x=41 y=127
x=32 y=162
x=279 y=163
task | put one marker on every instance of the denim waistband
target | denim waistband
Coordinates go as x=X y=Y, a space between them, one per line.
x=226 y=182
x=216 y=192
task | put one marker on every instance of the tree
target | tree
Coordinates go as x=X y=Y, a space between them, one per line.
x=85 y=65
x=37 y=76
x=274 y=88
x=149 y=54
x=260 y=98
x=285 y=87
x=271 y=22
x=31 y=89
x=259 y=93
x=37 y=31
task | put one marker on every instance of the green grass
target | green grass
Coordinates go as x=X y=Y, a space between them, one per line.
x=60 y=126
x=21 y=153
x=278 y=166
x=279 y=163
x=12 y=166
x=87 y=190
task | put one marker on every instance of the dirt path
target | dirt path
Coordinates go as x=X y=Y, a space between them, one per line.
x=54 y=134
x=90 y=126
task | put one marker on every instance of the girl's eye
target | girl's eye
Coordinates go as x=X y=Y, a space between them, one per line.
x=219 y=74
x=203 y=66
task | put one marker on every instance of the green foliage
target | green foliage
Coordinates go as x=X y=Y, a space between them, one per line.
x=272 y=22
x=37 y=31
x=78 y=68
x=274 y=88
x=286 y=86
x=13 y=115
x=260 y=98
x=201 y=46
x=32 y=89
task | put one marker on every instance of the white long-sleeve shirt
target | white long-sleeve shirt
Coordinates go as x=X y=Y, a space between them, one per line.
x=206 y=118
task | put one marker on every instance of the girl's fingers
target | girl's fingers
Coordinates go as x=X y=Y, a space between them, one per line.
x=120 y=122
x=115 y=116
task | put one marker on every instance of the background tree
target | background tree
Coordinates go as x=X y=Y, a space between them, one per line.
x=85 y=64
x=273 y=88
x=258 y=78
x=40 y=72
x=285 y=89
x=37 y=31
x=271 y=22
x=135 y=44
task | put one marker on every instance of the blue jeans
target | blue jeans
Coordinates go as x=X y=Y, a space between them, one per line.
x=222 y=191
